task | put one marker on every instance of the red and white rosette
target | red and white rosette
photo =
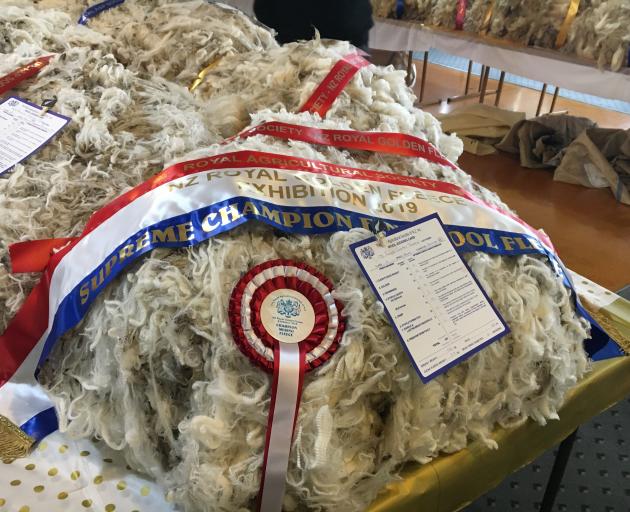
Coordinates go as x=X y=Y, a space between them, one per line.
x=285 y=319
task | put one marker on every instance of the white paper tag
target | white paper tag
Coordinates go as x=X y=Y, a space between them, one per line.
x=23 y=130
x=437 y=307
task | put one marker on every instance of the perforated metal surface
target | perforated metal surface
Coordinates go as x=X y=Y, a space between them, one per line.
x=597 y=478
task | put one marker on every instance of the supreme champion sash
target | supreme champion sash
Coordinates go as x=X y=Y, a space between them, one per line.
x=195 y=200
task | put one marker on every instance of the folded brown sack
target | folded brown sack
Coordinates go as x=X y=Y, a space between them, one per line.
x=599 y=158
x=480 y=126
x=540 y=142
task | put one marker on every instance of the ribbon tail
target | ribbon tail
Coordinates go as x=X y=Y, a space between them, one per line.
x=34 y=255
x=26 y=417
x=334 y=82
x=574 y=6
x=9 y=81
x=288 y=375
x=485 y=25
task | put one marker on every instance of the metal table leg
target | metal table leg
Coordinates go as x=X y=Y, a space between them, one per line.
x=557 y=472
x=499 y=89
x=481 y=74
x=540 y=101
x=470 y=63
x=408 y=78
x=553 y=100
x=484 y=84
x=423 y=80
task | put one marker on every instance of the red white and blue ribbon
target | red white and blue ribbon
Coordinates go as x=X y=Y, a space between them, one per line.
x=33 y=255
x=192 y=201
x=285 y=319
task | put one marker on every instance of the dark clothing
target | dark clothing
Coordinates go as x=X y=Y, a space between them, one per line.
x=293 y=20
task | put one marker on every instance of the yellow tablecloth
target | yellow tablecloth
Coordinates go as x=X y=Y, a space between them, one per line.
x=450 y=482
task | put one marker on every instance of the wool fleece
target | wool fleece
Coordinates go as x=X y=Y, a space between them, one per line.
x=153 y=370
x=600 y=32
x=168 y=38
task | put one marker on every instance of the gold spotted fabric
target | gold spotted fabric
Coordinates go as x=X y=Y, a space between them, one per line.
x=72 y=476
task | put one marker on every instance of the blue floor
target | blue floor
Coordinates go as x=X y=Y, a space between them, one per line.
x=597 y=478
x=461 y=64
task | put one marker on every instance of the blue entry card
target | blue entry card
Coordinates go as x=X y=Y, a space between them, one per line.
x=433 y=300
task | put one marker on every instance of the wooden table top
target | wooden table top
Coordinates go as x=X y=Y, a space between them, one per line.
x=589 y=228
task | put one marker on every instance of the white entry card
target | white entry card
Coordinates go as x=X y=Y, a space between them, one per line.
x=23 y=130
x=433 y=300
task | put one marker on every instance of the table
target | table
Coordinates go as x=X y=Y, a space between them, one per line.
x=544 y=65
